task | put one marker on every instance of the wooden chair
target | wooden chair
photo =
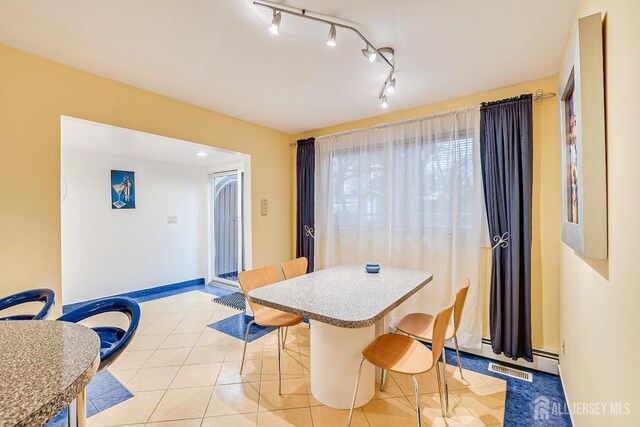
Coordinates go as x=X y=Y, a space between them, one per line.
x=290 y=269
x=420 y=326
x=295 y=267
x=265 y=316
x=404 y=355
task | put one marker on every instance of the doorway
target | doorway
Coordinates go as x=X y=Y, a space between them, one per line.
x=227 y=225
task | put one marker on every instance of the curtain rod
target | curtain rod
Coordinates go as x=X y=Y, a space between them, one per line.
x=538 y=97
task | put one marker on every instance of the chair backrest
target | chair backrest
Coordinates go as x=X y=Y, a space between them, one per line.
x=46 y=296
x=461 y=297
x=127 y=306
x=254 y=279
x=440 y=325
x=295 y=267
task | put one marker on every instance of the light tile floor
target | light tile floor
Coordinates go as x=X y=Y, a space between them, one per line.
x=185 y=374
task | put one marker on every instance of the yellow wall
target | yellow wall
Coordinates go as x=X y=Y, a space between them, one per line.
x=599 y=311
x=35 y=92
x=546 y=198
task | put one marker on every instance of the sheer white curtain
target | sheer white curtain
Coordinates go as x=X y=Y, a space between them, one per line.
x=407 y=195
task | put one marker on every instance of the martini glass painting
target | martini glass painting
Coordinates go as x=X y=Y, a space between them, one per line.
x=123 y=190
x=119 y=188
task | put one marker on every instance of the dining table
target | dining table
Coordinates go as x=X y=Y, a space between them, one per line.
x=347 y=308
x=45 y=366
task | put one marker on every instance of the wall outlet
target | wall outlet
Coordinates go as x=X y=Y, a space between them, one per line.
x=564 y=346
x=172 y=220
x=264 y=207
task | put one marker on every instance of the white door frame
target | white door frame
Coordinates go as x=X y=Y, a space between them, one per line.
x=243 y=168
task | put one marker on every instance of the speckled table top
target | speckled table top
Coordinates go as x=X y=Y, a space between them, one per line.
x=43 y=366
x=345 y=296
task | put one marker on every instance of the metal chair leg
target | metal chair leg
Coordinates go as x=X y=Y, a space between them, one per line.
x=284 y=340
x=244 y=351
x=383 y=380
x=279 y=366
x=446 y=384
x=355 y=392
x=417 y=390
x=455 y=341
x=440 y=388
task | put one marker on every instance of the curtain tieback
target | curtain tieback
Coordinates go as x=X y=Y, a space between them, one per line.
x=502 y=241
x=308 y=231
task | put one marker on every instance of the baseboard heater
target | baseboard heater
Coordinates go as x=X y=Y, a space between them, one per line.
x=543 y=360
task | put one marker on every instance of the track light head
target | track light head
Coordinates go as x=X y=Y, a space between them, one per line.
x=384 y=104
x=331 y=41
x=274 y=28
x=391 y=87
x=370 y=54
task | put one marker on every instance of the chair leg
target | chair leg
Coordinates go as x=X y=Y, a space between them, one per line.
x=417 y=390
x=440 y=388
x=244 y=351
x=355 y=392
x=446 y=384
x=383 y=380
x=455 y=341
x=284 y=340
x=279 y=366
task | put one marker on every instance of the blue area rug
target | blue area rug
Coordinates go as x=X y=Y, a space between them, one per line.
x=526 y=402
x=236 y=326
x=103 y=392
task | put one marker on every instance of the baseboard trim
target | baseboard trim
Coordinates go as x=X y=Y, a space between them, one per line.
x=140 y=293
x=566 y=398
x=543 y=360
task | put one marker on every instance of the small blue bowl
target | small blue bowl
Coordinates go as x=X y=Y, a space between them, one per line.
x=372 y=267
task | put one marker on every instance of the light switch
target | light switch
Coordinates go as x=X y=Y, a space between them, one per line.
x=264 y=207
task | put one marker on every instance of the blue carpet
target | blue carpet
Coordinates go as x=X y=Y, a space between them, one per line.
x=236 y=326
x=103 y=392
x=527 y=403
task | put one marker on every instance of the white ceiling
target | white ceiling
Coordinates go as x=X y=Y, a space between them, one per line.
x=95 y=137
x=219 y=55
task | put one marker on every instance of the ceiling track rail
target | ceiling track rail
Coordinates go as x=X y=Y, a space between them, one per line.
x=303 y=13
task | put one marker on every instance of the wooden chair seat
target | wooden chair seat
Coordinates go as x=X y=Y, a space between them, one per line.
x=399 y=353
x=420 y=325
x=265 y=316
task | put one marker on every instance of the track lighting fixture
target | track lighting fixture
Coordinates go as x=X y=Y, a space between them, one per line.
x=391 y=87
x=275 y=23
x=383 y=55
x=331 y=41
x=370 y=54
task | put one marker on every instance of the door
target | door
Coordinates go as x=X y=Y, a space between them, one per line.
x=228 y=251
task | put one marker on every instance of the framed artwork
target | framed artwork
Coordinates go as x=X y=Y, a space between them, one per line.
x=582 y=142
x=123 y=190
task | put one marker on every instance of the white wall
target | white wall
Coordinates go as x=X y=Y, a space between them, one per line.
x=107 y=251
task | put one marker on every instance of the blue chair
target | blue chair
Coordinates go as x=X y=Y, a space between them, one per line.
x=113 y=340
x=45 y=296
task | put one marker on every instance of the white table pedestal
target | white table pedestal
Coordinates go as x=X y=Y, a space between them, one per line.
x=335 y=354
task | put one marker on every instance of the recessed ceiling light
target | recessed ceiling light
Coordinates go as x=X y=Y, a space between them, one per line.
x=201 y=154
